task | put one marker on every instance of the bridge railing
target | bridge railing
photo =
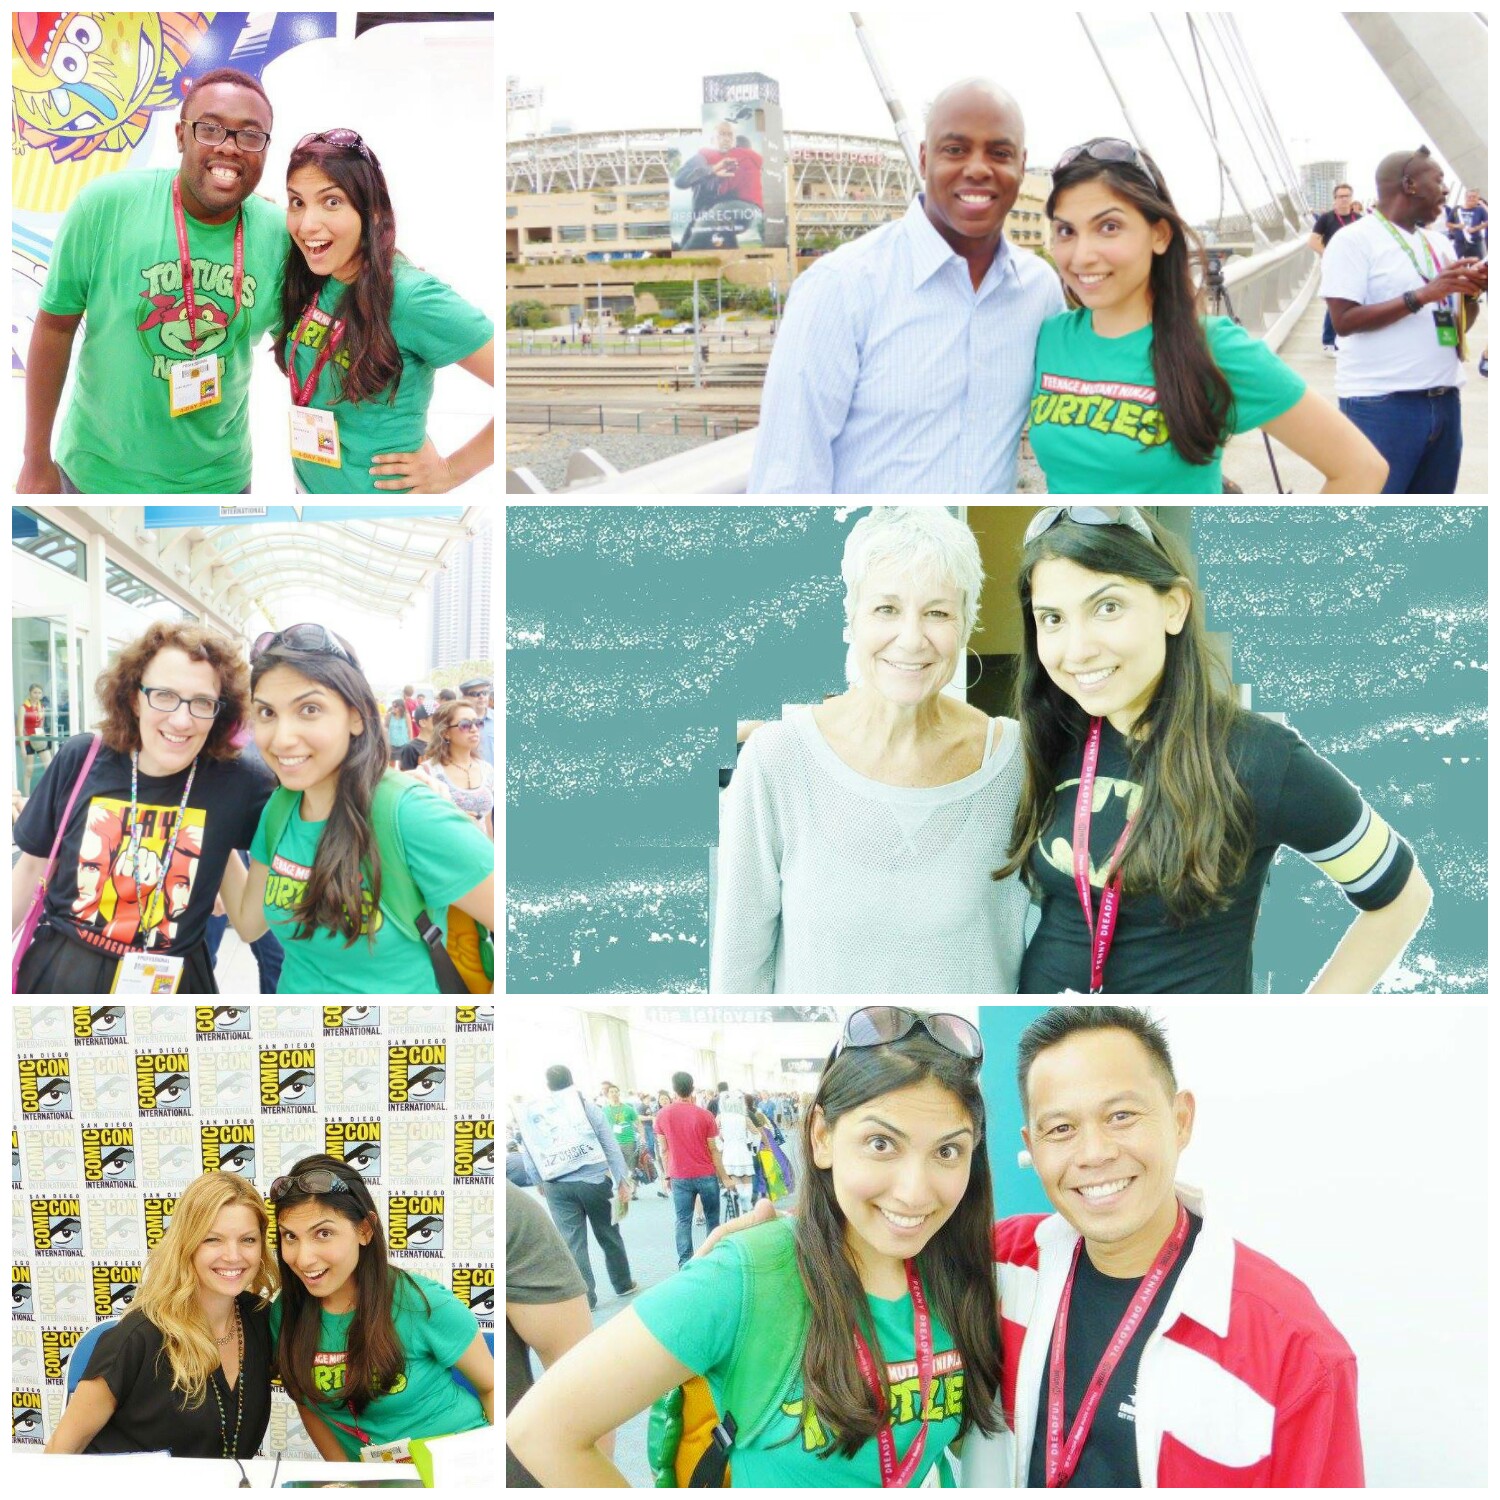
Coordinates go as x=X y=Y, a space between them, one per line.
x=1268 y=292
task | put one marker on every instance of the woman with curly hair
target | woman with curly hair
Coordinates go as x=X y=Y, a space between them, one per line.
x=188 y=1368
x=141 y=820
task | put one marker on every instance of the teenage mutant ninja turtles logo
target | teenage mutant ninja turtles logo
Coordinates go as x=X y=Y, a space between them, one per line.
x=57 y=1348
x=158 y=1212
x=211 y=1021
x=21 y=1305
x=1106 y=407
x=162 y=1085
x=46 y=1088
x=101 y=1025
x=356 y=1142
x=945 y=1401
x=115 y=1288
x=228 y=1148
x=108 y=1156
x=328 y=1374
x=416 y=1225
x=474 y=1286
x=56 y=1226
x=473 y=1150
x=416 y=1075
x=350 y=1020
x=288 y=1080
x=474 y=1018
x=26 y=1417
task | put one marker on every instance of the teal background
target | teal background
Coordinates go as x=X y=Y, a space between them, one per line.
x=637 y=635
x=1018 y=1190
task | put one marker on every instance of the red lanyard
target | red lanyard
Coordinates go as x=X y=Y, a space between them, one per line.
x=185 y=259
x=302 y=394
x=892 y=1476
x=1102 y=938
x=1062 y=1458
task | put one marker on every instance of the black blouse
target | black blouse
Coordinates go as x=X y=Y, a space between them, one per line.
x=153 y=1418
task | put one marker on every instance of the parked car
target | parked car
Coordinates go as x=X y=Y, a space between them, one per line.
x=682 y=328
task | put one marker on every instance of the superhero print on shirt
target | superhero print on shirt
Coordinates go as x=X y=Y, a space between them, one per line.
x=1111 y=407
x=286 y=883
x=1117 y=800
x=117 y=874
x=944 y=1403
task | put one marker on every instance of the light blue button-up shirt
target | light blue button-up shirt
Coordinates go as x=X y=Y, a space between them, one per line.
x=892 y=375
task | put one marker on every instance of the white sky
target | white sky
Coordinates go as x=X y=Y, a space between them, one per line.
x=1326 y=94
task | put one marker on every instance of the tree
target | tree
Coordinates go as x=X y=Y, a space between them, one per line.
x=528 y=314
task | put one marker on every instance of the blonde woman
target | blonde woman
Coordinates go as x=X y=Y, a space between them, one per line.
x=188 y=1368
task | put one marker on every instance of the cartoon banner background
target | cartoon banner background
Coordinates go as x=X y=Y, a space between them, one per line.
x=115 y=1109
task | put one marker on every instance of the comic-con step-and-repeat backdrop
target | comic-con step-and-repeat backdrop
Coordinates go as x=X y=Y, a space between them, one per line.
x=116 y=1108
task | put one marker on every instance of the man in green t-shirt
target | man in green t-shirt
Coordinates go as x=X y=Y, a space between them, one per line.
x=622 y=1120
x=118 y=261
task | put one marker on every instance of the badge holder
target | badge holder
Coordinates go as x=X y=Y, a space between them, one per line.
x=141 y=973
x=315 y=437
x=1447 y=327
x=196 y=384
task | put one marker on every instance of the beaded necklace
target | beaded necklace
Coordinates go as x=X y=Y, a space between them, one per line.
x=231 y=1444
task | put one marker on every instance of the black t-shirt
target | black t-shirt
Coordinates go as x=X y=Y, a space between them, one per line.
x=1328 y=224
x=92 y=890
x=1099 y=1302
x=151 y=1417
x=1297 y=799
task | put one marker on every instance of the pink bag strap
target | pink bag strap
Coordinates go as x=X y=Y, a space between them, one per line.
x=62 y=826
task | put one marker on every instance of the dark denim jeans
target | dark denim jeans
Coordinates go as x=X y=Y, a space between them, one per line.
x=577 y=1207
x=1421 y=437
x=684 y=1190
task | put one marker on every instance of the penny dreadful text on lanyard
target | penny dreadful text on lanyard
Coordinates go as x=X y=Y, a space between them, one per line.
x=1063 y=1456
x=302 y=394
x=186 y=260
x=1102 y=938
x=154 y=901
x=892 y=1475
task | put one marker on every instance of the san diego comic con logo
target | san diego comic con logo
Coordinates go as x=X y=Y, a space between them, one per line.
x=26 y=1417
x=210 y=1021
x=474 y=1286
x=228 y=1147
x=162 y=1085
x=56 y=1226
x=108 y=1156
x=356 y=1143
x=288 y=1080
x=115 y=1287
x=101 y=1025
x=475 y=1018
x=415 y=1224
x=416 y=1075
x=46 y=1087
x=473 y=1150
x=350 y=1020
x=57 y=1349
x=22 y=1306
x=158 y=1216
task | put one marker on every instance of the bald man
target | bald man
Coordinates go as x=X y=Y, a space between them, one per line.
x=1399 y=299
x=905 y=361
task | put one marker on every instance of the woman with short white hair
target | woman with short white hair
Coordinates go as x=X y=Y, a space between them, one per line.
x=858 y=835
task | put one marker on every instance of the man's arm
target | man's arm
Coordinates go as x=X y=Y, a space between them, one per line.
x=1315 y=241
x=46 y=371
x=1316 y=1442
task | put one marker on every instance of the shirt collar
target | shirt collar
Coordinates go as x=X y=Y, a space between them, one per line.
x=931 y=252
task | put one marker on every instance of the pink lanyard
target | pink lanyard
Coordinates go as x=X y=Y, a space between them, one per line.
x=1101 y=939
x=186 y=259
x=1062 y=1458
x=892 y=1475
x=302 y=394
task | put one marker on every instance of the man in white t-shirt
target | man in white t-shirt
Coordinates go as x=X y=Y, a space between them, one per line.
x=1400 y=301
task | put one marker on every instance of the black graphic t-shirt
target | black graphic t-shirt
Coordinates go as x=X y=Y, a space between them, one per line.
x=150 y=1417
x=1297 y=799
x=1099 y=1302
x=99 y=886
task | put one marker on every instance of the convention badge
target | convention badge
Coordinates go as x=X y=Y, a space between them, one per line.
x=196 y=384
x=396 y=1452
x=1447 y=328
x=142 y=973
x=315 y=437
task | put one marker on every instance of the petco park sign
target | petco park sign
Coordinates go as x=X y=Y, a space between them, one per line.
x=837 y=157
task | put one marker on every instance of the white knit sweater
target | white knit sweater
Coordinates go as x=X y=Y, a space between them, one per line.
x=830 y=883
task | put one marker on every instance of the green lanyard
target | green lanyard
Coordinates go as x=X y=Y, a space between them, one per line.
x=1406 y=246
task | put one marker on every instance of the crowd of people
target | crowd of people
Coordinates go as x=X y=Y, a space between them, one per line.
x=259 y=789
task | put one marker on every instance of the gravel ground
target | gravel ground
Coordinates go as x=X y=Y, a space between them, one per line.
x=546 y=455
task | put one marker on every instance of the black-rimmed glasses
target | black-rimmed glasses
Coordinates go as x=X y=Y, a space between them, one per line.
x=1108 y=148
x=211 y=133
x=165 y=701
x=1089 y=515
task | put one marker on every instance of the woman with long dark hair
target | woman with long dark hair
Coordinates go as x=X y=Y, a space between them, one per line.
x=352 y=863
x=1136 y=390
x=366 y=1350
x=1152 y=804
x=888 y=1266
x=368 y=330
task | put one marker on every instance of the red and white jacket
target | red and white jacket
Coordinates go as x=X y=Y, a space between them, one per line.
x=1243 y=1382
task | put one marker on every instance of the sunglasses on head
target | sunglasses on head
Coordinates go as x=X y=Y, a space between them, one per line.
x=1108 y=148
x=313 y=639
x=347 y=140
x=1089 y=515
x=315 y=1181
x=880 y=1025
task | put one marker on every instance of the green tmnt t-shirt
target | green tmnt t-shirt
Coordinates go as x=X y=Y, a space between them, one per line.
x=695 y=1316
x=433 y=326
x=434 y=1329
x=447 y=855
x=115 y=260
x=1096 y=423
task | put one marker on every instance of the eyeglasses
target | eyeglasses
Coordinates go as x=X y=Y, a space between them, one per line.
x=1090 y=515
x=348 y=140
x=879 y=1025
x=318 y=1180
x=301 y=638
x=165 y=701
x=1108 y=148
x=210 y=133
x=467 y=724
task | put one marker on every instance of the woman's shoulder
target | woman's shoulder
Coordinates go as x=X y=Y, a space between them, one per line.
x=1064 y=324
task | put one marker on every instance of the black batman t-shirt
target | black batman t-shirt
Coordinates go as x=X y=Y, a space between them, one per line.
x=100 y=884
